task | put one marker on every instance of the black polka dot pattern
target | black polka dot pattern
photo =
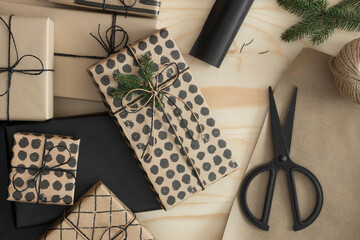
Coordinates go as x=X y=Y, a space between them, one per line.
x=168 y=168
x=54 y=186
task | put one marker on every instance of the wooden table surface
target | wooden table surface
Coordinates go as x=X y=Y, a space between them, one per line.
x=237 y=95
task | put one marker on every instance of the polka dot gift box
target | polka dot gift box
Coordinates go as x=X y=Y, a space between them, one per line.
x=166 y=120
x=43 y=169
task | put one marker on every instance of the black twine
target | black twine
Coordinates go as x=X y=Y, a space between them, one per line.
x=43 y=170
x=126 y=6
x=108 y=44
x=11 y=68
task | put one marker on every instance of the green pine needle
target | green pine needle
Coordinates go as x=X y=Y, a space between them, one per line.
x=129 y=82
x=318 y=21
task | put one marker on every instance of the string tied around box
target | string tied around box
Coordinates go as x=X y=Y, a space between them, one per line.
x=126 y=6
x=108 y=43
x=122 y=232
x=39 y=172
x=12 y=68
x=346 y=70
x=155 y=93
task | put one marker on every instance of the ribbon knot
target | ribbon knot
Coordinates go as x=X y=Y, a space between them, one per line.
x=126 y=6
x=11 y=68
x=158 y=91
x=109 y=43
x=39 y=172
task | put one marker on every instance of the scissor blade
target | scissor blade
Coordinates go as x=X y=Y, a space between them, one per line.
x=289 y=121
x=277 y=133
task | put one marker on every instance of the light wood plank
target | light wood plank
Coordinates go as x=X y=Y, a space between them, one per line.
x=237 y=94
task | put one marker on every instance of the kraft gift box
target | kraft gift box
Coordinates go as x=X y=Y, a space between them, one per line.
x=26 y=67
x=75 y=49
x=98 y=214
x=149 y=8
x=43 y=168
x=178 y=143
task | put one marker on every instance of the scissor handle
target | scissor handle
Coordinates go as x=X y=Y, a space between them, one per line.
x=273 y=169
x=298 y=223
x=263 y=222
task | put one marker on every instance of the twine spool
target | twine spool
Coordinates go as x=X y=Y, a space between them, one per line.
x=346 y=69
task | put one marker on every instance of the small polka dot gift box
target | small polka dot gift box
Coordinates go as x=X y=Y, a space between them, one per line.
x=99 y=215
x=153 y=97
x=43 y=169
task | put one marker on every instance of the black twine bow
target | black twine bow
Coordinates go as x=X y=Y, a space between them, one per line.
x=11 y=68
x=126 y=6
x=43 y=170
x=108 y=44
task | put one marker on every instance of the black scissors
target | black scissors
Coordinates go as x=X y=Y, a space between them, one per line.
x=282 y=142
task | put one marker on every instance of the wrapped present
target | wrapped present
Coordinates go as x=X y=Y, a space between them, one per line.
x=104 y=155
x=99 y=214
x=76 y=49
x=26 y=68
x=165 y=117
x=43 y=168
x=149 y=8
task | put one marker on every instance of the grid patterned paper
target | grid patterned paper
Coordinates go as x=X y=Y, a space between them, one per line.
x=99 y=215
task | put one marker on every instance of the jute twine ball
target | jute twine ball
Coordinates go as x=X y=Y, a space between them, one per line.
x=346 y=69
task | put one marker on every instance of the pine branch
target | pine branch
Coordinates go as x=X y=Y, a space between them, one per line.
x=318 y=21
x=304 y=8
x=300 y=30
x=320 y=35
x=128 y=82
x=344 y=19
x=146 y=71
x=355 y=4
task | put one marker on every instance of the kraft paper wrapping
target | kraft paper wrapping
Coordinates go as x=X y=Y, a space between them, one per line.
x=149 y=8
x=72 y=34
x=169 y=170
x=31 y=96
x=98 y=214
x=67 y=107
x=326 y=141
x=43 y=169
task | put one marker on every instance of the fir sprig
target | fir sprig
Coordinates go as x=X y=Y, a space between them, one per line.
x=320 y=21
x=129 y=82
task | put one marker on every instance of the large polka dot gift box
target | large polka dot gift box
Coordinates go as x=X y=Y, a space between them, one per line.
x=43 y=168
x=177 y=141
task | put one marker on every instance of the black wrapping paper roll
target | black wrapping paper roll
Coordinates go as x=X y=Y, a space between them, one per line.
x=219 y=30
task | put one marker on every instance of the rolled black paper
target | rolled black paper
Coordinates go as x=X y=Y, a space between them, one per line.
x=219 y=30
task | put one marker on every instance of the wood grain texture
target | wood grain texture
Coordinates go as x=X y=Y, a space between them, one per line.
x=237 y=94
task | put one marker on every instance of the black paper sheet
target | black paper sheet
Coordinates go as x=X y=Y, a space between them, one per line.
x=103 y=155
x=7 y=217
x=219 y=30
